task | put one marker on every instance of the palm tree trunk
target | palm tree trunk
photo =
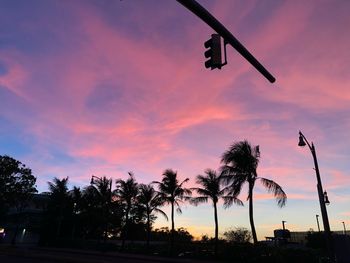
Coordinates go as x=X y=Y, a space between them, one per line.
x=105 y=226
x=125 y=229
x=73 y=227
x=58 y=230
x=172 y=229
x=148 y=229
x=251 y=218
x=216 y=229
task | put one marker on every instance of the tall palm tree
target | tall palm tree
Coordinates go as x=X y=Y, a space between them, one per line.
x=92 y=213
x=126 y=192
x=76 y=196
x=103 y=191
x=59 y=199
x=240 y=164
x=211 y=189
x=150 y=201
x=172 y=192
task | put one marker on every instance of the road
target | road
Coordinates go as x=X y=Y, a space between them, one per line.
x=21 y=259
x=40 y=255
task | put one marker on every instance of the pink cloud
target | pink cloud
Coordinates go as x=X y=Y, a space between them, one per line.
x=15 y=77
x=162 y=109
x=338 y=180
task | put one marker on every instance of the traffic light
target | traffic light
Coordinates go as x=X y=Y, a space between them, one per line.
x=214 y=52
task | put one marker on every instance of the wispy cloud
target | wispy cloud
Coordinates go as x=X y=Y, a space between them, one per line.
x=105 y=90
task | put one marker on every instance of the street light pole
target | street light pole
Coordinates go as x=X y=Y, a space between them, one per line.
x=318 y=224
x=322 y=196
x=344 y=228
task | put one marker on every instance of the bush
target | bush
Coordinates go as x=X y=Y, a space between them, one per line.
x=239 y=235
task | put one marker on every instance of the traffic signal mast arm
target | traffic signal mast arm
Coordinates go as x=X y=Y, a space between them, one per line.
x=203 y=14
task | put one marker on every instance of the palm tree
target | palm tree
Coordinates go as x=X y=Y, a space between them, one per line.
x=92 y=213
x=150 y=201
x=126 y=192
x=59 y=199
x=103 y=191
x=172 y=192
x=211 y=189
x=76 y=196
x=240 y=163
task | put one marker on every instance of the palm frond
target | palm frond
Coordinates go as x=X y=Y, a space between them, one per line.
x=178 y=210
x=230 y=200
x=199 y=199
x=276 y=189
x=184 y=181
x=157 y=210
x=202 y=191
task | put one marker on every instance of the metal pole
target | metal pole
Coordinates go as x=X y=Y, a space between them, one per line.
x=318 y=224
x=344 y=228
x=283 y=225
x=211 y=21
x=324 y=214
x=320 y=193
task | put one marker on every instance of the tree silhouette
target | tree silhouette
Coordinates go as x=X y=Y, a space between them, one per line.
x=172 y=192
x=211 y=189
x=126 y=192
x=77 y=199
x=150 y=201
x=17 y=186
x=92 y=214
x=103 y=193
x=240 y=164
x=59 y=200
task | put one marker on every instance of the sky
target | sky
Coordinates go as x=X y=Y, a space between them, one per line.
x=104 y=87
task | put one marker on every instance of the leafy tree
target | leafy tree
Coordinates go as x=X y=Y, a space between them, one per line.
x=183 y=235
x=17 y=184
x=163 y=234
x=150 y=201
x=172 y=192
x=240 y=164
x=238 y=235
x=126 y=192
x=211 y=189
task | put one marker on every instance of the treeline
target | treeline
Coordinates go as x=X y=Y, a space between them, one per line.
x=99 y=211
x=125 y=209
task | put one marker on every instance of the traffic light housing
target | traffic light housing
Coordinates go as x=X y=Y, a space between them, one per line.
x=213 y=52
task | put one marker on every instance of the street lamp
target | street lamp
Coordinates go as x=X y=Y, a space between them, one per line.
x=318 y=224
x=344 y=228
x=322 y=196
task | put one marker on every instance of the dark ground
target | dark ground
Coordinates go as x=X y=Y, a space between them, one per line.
x=10 y=254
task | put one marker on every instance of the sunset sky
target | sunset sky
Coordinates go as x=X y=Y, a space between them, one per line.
x=105 y=87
